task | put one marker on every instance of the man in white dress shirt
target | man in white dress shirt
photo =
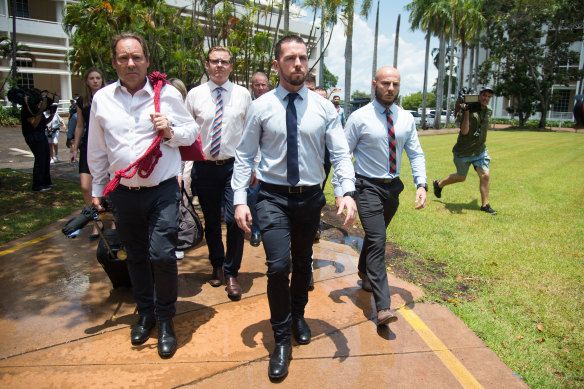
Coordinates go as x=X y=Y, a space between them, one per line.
x=123 y=124
x=377 y=135
x=219 y=108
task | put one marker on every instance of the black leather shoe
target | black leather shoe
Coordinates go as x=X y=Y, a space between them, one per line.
x=141 y=331
x=255 y=239
x=166 y=339
x=300 y=330
x=279 y=361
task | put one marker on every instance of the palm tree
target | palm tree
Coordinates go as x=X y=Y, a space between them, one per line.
x=471 y=23
x=349 y=13
x=431 y=16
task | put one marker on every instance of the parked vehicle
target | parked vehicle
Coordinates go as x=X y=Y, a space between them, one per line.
x=418 y=119
x=432 y=115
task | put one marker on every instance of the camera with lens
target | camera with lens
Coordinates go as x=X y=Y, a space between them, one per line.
x=470 y=98
x=33 y=99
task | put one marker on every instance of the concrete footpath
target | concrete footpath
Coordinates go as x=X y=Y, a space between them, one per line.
x=62 y=324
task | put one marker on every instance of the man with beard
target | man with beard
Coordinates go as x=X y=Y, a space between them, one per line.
x=377 y=134
x=340 y=110
x=219 y=108
x=291 y=126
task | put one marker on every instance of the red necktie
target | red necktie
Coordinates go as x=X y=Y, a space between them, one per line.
x=392 y=142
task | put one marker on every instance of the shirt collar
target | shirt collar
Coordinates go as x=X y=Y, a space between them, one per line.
x=147 y=87
x=227 y=85
x=381 y=109
x=282 y=92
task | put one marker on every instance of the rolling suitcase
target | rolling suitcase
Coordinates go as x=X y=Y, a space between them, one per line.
x=112 y=257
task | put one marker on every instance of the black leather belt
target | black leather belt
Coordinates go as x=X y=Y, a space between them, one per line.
x=285 y=189
x=377 y=180
x=219 y=162
x=138 y=188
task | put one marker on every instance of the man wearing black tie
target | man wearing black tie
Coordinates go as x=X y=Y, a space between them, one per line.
x=291 y=125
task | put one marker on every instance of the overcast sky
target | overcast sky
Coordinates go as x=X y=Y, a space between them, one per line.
x=412 y=47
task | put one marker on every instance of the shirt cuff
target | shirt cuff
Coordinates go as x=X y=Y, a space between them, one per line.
x=240 y=198
x=346 y=186
x=97 y=190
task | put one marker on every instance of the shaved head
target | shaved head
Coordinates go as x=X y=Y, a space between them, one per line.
x=386 y=85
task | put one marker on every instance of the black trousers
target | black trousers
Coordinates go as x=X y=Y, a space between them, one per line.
x=212 y=184
x=147 y=223
x=377 y=203
x=41 y=172
x=288 y=223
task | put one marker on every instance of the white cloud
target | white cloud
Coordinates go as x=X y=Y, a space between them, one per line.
x=410 y=59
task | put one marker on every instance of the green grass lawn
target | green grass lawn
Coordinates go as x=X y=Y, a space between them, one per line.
x=23 y=211
x=524 y=268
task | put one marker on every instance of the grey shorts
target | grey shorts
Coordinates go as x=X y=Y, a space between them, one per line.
x=462 y=163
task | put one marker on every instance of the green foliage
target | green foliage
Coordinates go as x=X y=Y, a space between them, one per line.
x=329 y=79
x=23 y=211
x=178 y=43
x=414 y=101
x=529 y=61
x=360 y=95
x=9 y=116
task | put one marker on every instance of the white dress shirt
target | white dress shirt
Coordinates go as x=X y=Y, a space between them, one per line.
x=367 y=136
x=201 y=103
x=121 y=130
x=318 y=124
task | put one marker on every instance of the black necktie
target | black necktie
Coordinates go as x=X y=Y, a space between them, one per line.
x=292 y=140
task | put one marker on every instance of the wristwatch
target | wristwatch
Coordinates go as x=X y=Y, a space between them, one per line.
x=425 y=186
x=351 y=193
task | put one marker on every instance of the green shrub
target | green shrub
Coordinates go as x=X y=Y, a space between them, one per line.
x=9 y=116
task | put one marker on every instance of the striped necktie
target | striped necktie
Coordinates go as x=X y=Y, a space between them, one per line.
x=217 y=124
x=392 y=142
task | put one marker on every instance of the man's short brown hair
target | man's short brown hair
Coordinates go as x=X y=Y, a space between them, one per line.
x=129 y=35
x=218 y=48
x=286 y=39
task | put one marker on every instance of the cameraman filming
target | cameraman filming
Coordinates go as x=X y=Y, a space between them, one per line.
x=470 y=147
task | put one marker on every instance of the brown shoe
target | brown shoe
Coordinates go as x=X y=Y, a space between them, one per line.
x=217 y=278
x=233 y=289
x=385 y=316
x=365 y=283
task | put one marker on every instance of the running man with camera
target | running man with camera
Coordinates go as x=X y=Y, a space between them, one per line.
x=470 y=147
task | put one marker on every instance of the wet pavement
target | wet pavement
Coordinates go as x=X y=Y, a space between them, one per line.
x=62 y=325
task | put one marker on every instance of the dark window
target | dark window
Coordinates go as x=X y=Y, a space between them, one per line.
x=21 y=8
x=25 y=80
x=561 y=100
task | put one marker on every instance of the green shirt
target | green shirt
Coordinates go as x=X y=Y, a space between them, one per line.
x=473 y=143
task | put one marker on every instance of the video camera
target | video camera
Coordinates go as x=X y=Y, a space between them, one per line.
x=33 y=99
x=470 y=98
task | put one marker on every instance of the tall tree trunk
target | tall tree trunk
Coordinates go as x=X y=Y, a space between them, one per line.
x=348 y=61
x=425 y=85
x=476 y=67
x=440 y=81
x=396 y=46
x=451 y=67
x=471 y=74
x=374 y=65
x=286 y=16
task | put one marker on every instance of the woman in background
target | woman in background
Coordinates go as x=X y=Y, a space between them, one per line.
x=94 y=81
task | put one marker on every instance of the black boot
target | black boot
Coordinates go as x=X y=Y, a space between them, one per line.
x=141 y=330
x=279 y=361
x=300 y=330
x=166 y=339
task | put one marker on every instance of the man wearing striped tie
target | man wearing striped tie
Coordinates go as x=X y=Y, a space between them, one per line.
x=219 y=107
x=377 y=135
